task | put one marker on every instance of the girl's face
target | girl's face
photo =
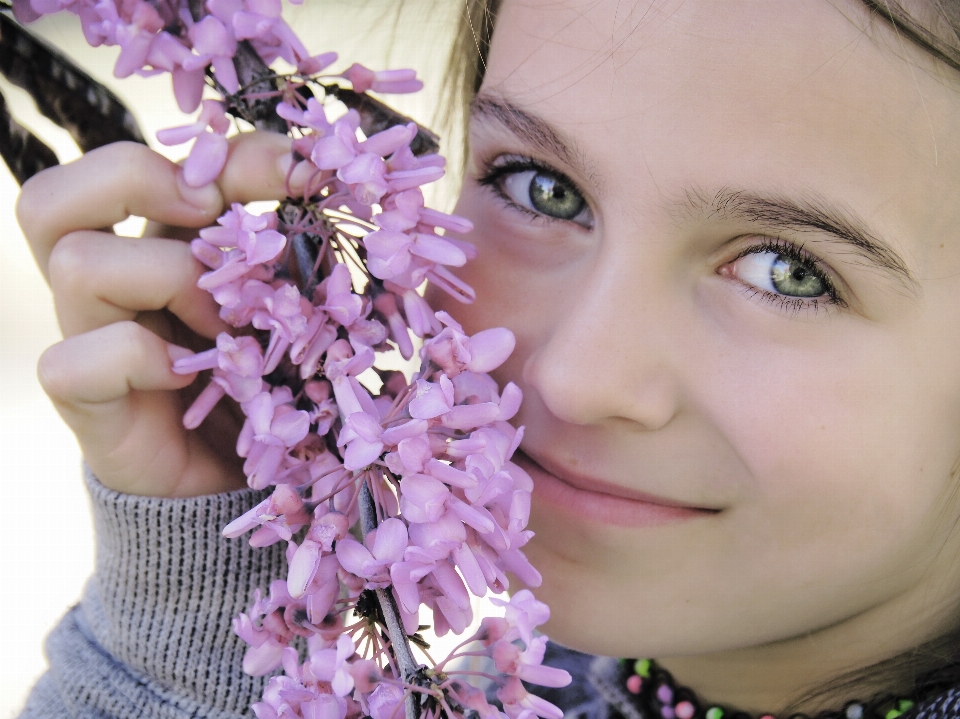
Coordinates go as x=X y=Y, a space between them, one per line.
x=727 y=237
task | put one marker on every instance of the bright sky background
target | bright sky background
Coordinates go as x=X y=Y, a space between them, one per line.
x=46 y=545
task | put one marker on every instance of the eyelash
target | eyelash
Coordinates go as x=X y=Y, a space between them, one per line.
x=776 y=245
x=495 y=171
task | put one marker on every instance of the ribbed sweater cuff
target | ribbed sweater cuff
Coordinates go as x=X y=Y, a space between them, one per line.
x=157 y=614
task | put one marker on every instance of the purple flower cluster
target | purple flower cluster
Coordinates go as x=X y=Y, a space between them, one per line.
x=388 y=501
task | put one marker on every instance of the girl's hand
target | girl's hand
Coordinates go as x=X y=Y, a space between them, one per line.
x=128 y=307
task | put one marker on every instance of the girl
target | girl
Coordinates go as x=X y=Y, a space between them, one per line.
x=725 y=237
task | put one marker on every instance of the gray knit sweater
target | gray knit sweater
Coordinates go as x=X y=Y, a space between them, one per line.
x=152 y=636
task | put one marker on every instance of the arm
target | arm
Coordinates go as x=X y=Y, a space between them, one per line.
x=151 y=636
x=155 y=617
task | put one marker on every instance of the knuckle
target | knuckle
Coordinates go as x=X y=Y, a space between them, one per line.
x=190 y=268
x=130 y=335
x=53 y=373
x=30 y=208
x=121 y=154
x=70 y=263
x=137 y=345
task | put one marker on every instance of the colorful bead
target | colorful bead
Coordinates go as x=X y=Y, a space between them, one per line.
x=661 y=704
x=854 y=711
x=642 y=667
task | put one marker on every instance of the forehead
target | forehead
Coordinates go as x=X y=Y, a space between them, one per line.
x=789 y=95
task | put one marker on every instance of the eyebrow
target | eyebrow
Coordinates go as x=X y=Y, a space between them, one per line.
x=529 y=128
x=810 y=214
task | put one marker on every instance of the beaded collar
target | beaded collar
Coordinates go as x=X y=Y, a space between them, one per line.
x=654 y=692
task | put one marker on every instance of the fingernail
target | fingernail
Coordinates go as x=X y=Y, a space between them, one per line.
x=284 y=163
x=206 y=198
x=176 y=352
x=301 y=173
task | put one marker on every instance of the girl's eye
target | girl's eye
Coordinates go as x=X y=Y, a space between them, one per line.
x=544 y=192
x=539 y=190
x=781 y=274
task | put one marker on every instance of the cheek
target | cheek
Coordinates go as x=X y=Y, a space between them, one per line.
x=843 y=438
x=515 y=287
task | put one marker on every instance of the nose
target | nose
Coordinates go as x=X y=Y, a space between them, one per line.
x=611 y=350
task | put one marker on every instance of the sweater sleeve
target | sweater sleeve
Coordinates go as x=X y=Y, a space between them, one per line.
x=151 y=637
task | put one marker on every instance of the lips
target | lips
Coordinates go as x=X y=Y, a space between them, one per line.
x=594 y=500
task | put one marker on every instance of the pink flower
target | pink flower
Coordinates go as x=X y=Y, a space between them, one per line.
x=365 y=175
x=476 y=700
x=422 y=498
x=432 y=398
x=266 y=630
x=209 y=152
x=281 y=513
x=386 y=702
x=281 y=312
x=338 y=148
x=313 y=116
x=372 y=559
x=216 y=45
x=330 y=665
x=272 y=426
x=135 y=33
x=454 y=352
x=309 y=346
x=528 y=664
x=517 y=700
x=270 y=35
x=256 y=235
x=524 y=612
x=386 y=81
x=388 y=141
x=266 y=648
x=241 y=355
x=447 y=614
x=342 y=303
x=237 y=364
x=361 y=437
x=400 y=180
x=23 y=12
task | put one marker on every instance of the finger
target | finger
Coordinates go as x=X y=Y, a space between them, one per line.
x=257 y=167
x=85 y=372
x=111 y=183
x=245 y=177
x=99 y=278
x=108 y=386
x=104 y=187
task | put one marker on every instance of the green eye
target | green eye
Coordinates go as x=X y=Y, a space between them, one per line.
x=782 y=274
x=796 y=278
x=546 y=193
x=553 y=196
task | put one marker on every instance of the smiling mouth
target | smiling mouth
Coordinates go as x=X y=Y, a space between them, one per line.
x=598 y=501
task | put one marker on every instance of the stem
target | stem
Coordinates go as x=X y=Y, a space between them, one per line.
x=400 y=645
x=259 y=79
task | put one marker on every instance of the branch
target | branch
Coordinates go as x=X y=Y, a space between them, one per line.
x=391 y=613
x=24 y=153
x=63 y=92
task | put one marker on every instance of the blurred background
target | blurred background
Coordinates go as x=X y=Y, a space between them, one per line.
x=46 y=543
